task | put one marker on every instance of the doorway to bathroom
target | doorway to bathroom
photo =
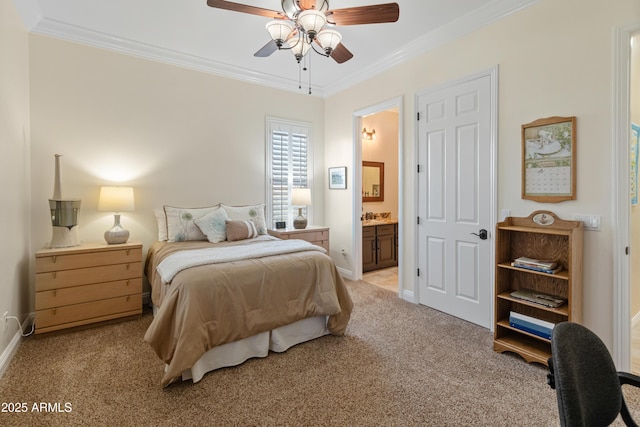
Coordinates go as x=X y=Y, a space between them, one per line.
x=377 y=229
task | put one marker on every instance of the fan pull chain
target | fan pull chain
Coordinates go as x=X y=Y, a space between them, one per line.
x=309 y=74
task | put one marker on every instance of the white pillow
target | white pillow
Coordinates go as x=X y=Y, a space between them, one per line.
x=251 y=212
x=180 y=223
x=161 y=219
x=213 y=225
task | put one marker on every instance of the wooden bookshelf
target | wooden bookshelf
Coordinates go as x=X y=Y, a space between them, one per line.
x=541 y=235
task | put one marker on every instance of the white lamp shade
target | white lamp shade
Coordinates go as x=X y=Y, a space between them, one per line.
x=301 y=196
x=312 y=21
x=329 y=39
x=116 y=199
x=279 y=29
x=299 y=46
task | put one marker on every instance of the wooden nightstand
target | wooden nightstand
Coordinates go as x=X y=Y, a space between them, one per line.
x=86 y=284
x=313 y=234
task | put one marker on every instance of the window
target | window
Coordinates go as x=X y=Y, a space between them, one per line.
x=289 y=165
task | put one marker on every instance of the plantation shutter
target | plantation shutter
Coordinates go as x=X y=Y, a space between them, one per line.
x=289 y=166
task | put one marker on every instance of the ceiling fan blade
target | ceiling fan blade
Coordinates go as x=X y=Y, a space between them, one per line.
x=237 y=7
x=341 y=54
x=374 y=14
x=267 y=49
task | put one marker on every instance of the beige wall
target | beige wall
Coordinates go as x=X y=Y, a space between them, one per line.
x=555 y=59
x=180 y=137
x=14 y=169
x=384 y=148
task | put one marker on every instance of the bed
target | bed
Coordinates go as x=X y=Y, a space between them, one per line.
x=219 y=304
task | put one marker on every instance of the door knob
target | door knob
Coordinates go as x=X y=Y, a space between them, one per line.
x=482 y=234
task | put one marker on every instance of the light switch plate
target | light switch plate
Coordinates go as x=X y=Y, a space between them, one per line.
x=591 y=222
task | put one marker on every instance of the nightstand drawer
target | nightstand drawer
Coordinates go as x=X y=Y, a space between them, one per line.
x=86 y=293
x=85 y=276
x=311 y=236
x=90 y=259
x=89 y=312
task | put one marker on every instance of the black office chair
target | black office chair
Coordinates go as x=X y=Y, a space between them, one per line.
x=588 y=387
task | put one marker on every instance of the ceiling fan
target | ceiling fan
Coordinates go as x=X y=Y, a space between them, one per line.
x=302 y=24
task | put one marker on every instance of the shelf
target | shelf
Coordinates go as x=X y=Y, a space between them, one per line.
x=563 y=310
x=531 y=350
x=505 y=324
x=560 y=240
x=563 y=275
x=539 y=230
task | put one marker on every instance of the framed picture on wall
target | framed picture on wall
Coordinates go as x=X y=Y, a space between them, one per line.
x=338 y=178
x=549 y=160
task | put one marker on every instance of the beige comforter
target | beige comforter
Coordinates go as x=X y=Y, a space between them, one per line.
x=210 y=305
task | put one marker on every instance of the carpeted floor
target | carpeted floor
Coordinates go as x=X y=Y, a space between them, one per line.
x=399 y=364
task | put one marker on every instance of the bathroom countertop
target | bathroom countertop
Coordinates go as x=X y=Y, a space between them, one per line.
x=378 y=221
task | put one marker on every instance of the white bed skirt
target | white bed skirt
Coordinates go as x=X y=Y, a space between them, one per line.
x=278 y=340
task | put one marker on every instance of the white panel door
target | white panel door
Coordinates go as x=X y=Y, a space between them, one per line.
x=454 y=203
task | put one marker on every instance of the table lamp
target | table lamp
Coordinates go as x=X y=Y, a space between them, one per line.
x=300 y=197
x=116 y=199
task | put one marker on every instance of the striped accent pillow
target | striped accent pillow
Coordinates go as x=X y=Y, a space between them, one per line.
x=240 y=230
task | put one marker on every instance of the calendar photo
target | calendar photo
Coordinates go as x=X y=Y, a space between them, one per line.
x=548 y=160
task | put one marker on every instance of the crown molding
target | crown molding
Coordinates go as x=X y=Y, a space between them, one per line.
x=479 y=18
x=73 y=33
x=36 y=23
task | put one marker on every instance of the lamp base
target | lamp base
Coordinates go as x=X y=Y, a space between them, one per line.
x=300 y=223
x=64 y=237
x=116 y=234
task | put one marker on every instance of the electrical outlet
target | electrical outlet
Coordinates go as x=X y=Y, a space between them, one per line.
x=4 y=320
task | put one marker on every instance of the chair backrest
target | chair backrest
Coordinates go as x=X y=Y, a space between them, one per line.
x=586 y=381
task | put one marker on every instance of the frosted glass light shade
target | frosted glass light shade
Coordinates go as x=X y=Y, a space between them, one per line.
x=116 y=199
x=299 y=47
x=279 y=30
x=301 y=196
x=329 y=40
x=312 y=21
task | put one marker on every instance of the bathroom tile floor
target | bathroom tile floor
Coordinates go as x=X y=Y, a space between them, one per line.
x=386 y=278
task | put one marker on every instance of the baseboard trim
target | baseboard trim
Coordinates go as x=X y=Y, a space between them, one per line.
x=347 y=274
x=9 y=352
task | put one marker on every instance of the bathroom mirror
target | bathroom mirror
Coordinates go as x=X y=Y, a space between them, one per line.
x=372 y=182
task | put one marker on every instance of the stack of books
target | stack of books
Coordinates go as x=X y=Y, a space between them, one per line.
x=550 y=267
x=536 y=297
x=531 y=325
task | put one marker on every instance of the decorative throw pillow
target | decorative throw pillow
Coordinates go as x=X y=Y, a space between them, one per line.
x=161 y=219
x=251 y=212
x=241 y=230
x=180 y=223
x=213 y=225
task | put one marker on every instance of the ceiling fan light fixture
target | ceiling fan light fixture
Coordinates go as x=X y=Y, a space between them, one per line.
x=299 y=47
x=312 y=22
x=279 y=30
x=329 y=40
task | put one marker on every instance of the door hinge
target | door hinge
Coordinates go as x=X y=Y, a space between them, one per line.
x=418 y=218
x=626 y=250
x=418 y=116
x=418 y=168
x=418 y=272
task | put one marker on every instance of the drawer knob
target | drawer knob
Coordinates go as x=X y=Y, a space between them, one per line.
x=128 y=297
x=53 y=274
x=127 y=282
x=54 y=310
x=127 y=266
x=128 y=252
x=55 y=291
x=54 y=258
